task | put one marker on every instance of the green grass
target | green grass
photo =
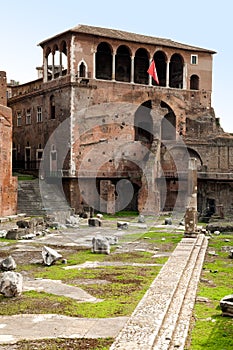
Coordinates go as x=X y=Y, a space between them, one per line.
x=24 y=177
x=212 y=330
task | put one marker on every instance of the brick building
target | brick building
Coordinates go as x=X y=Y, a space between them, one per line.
x=116 y=139
x=8 y=184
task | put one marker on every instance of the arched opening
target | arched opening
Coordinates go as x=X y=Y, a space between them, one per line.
x=56 y=62
x=194 y=82
x=176 y=71
x=161 y=67
x=194 y=154
x=52 y=107
x=82 y=70
x=49 y=63
x=123 y=64
x=104 y=61
x=141 y=63
x=168 y=124
x=143 y=124
x=63 y=53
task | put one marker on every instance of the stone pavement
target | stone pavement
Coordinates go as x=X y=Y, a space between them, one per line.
x=159 y=322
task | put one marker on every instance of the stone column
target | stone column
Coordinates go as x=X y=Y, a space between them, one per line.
x=94 y=68
x=53 y=62
x=191 y=209
x=107 y=197
x=132 y=70
x=114 y=65
x=60 y=63
x=45 y=70
x=167 y=74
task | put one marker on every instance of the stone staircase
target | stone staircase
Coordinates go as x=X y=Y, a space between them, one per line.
x=36 y=199
x=161 y=319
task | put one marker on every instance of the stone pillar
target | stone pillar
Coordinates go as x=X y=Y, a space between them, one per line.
x=94 y=67
x=60 y=63
x=132 y=70
x=167 y=74
x=191 y=210
x=53 y=63
x=114 y=65
x=45 y=70
x=107 y=197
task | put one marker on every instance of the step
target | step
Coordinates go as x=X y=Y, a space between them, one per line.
x=148 y=325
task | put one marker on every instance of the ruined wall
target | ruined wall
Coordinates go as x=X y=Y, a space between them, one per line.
x=8 y=184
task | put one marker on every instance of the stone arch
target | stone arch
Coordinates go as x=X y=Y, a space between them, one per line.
x=63 y=53
x=161 y=66
x=56 y=59
x=123 y=64
x=168 y=123
x=104 y=61
x=143 y=123
x=194 y=154
x=194 y=82
x=176 y=71
x=141 y=63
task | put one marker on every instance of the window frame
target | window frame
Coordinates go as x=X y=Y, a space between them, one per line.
x=194 y=59
x=39 y=117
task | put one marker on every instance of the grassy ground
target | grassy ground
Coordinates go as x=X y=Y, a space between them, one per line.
x=125 y=286
x=210 y=329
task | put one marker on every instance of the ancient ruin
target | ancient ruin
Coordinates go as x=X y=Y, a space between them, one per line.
x=8 y=184
x=97 y=123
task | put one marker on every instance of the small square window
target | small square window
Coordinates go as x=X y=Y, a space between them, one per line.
x=194 y=59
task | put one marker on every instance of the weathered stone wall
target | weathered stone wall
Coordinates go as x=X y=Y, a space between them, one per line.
x=8 y=184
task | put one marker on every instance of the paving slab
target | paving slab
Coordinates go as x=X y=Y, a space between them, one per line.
x=18 y=327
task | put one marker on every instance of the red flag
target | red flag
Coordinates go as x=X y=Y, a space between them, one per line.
x=152 y=71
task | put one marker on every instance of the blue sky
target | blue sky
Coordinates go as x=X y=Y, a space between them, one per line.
x=207 y=24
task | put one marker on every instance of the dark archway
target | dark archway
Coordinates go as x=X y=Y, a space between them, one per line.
x=141 y=63
x=176 y=71
x=123 y=64
x=168 y=124
x=104 y=61
x=143 y=124
x=161 y=67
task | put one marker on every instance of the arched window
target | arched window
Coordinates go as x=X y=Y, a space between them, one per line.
x=194 y=82
x=141 y=63
x=123 y=64
x=52 y=107
x=104 y=61
x=161 y=67
x=176 y=71
x=82 y=70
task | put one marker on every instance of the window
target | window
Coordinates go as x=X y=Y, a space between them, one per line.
x=39 y=157
x=39 y=115
x=19 y=119
x=28 y=116
x=52 y=107
x=194 y=59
